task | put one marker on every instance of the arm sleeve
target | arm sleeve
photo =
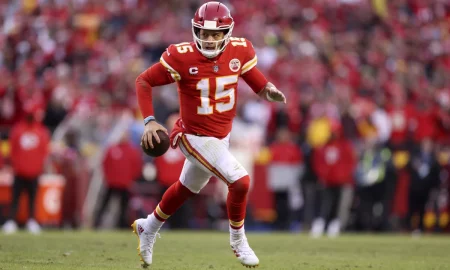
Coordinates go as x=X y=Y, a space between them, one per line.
x=255 y=79
x=252 y=75
x=156 y=75
x=171 y=61
x=160 y=73
x=250 y=58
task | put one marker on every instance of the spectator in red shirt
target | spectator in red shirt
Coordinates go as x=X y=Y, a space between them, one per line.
x=425 y=120
x=30 y=141
x=334 y=165
x=284 y=174
x=122 y=165
x=401 y=116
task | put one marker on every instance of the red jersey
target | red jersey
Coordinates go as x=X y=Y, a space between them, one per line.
x=286 y=153
x=29 y=148
x=169 y=166
x=207 y=87
x=335 y=162
x=122 y=165
x=401 y=123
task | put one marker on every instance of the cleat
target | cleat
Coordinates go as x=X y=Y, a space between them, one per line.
x=248 y=266
x=146 y=240
x=244 y=253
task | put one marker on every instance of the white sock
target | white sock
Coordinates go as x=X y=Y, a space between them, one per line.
x=236 y=234
x=154 y=224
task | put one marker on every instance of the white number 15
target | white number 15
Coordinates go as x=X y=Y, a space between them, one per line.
x=220 y=92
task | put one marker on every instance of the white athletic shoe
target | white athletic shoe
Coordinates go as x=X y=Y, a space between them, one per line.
x=317 y=228
x=244 y=252
x=146 y=240
x=33 y=227
x=334 y=228
x=9 y=227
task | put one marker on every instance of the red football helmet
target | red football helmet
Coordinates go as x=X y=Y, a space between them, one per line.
x=212 y=16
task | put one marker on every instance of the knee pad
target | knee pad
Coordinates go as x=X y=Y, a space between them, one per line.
x=240 y=186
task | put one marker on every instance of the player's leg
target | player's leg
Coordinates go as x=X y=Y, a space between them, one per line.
x=105 y=200
x=214 y=156
x=192 y=180
x=236 y=206
x=124 y=199
x=334 y=224
x=10 y=225
x=325 y=205
x=31 y=185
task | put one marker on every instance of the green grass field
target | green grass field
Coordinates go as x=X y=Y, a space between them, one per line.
x=210 y=250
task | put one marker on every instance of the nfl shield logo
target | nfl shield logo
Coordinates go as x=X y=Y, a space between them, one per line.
x=216 y=68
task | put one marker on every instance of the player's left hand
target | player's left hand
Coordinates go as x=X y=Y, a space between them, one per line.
x=273 y=94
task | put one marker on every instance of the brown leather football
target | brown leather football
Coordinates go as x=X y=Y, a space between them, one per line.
x=158 y=148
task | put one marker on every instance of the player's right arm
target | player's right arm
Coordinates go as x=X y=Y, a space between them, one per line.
x=254 y=78
x=159 y=74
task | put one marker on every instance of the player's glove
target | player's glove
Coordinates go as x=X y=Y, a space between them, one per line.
x=271 y=93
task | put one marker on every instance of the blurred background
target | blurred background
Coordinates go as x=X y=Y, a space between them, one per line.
x=363 y=143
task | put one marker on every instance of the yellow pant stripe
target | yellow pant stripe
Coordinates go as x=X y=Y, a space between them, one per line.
x=236 y=224
x=202 y=160
x=161 y=213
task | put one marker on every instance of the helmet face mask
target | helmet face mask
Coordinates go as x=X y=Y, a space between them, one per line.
x=213 y=42
x=212 y=18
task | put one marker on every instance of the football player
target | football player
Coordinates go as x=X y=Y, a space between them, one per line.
x=207 y=72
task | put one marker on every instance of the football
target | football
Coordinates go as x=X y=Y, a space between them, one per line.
x=158 y=148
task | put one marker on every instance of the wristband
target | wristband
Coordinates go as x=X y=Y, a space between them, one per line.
x=148 y=119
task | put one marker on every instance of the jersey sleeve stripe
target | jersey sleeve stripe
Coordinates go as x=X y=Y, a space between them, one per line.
x=249 y=65
x=175 y=75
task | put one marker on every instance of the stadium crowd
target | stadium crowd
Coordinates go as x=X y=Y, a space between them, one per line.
x=366 y=81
